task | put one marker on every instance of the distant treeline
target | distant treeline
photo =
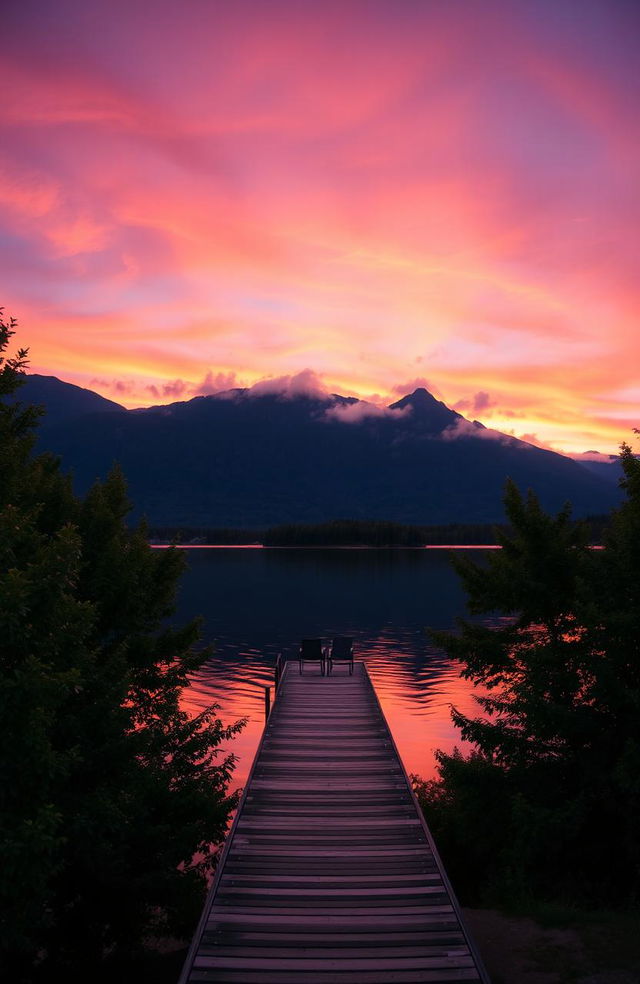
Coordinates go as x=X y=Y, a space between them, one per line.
x=204 y=534
x=348 y=533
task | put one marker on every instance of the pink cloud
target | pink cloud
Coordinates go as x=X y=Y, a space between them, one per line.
x=533 y=439
x=594 y=456
x=420 y=382
x=122 y=387
x=216 y=383
x=378 y=399
x=356 y=413
x=479 y=403
x=464 y=428
x=305 y=383
x=176 y=388
x=482 y=401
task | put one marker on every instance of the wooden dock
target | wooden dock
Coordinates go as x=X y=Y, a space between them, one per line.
x=329 y=873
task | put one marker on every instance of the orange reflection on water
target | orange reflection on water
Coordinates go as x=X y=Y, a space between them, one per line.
x=239 y=693
x=420 y=731
x=416 y=699
x=258 y=603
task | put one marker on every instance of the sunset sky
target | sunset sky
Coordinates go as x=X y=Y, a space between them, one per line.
x=197 y=195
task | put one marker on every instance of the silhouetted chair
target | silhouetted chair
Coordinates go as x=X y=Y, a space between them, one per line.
x=341 y=652
x=311 y=650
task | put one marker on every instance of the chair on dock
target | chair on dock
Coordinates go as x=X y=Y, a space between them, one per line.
x=311 y=650
x=341 y=652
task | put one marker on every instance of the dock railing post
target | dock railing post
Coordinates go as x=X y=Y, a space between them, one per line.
x=278 y=672
x=267 y=703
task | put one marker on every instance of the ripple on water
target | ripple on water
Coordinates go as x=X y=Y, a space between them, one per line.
x=258 y=604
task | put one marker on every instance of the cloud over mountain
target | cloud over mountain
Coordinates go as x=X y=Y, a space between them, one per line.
x=216 y=383
x=463 y=428
x=305 y=383
x=359 y=410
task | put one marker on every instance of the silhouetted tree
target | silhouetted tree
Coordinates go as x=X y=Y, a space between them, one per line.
x=548 y=801
x=613 y=619
x=112 y=798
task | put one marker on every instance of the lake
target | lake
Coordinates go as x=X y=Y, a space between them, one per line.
x=256 y=603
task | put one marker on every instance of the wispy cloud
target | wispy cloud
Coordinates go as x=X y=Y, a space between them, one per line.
x=217 y=382
x=463 y=428
x=356 y=413
x=480 y=403
x=305 y=383
x=122 y=387
x=594 y=456
x=419 y=382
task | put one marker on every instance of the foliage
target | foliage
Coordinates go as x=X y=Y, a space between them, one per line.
x=111 y=797
x=551 y=794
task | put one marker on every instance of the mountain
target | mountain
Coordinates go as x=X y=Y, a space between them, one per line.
x=63 y=401
x=607 y=467
x=427 y=415
x=245 y=458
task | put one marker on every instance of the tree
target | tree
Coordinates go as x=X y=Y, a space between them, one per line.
x=613 y=618
x=112 y=798
x=552 y=781
x=532 y=663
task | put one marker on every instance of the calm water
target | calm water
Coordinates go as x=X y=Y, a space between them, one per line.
x=257 y=603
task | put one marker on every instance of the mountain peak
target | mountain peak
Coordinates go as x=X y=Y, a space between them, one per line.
x=420 y=399
x=419 y=396
x=426 y=412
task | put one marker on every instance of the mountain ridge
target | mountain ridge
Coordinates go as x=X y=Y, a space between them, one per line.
x=246 y=458
x=63 y=401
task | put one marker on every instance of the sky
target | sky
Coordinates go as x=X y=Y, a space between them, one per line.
x=381 y=194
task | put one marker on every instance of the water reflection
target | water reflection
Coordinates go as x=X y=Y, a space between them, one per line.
x=258 y=603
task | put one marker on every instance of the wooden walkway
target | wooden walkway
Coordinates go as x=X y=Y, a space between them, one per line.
x=329 y=873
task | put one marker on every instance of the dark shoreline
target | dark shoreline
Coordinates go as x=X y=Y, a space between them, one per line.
x=349 y=534
x=325 y=546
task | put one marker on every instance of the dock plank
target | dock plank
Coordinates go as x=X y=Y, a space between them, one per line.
x=329 y=873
